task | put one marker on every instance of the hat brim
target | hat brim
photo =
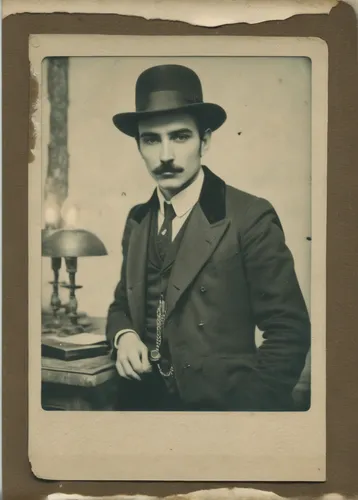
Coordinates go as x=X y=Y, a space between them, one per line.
x=210 y=115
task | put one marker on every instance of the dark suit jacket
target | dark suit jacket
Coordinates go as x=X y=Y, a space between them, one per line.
x=233 y=272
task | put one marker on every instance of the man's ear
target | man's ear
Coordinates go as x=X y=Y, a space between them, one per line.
x=205 y=141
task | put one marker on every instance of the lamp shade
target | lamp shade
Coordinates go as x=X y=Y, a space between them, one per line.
x=72 y=243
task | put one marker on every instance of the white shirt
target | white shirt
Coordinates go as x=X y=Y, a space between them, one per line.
x=183 y=203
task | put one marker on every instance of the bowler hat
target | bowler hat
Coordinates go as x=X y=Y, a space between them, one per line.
x=166 y=89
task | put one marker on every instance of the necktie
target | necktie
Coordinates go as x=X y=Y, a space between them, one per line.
x=164 y=238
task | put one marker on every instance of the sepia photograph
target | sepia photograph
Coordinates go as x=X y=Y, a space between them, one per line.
x=177 y=218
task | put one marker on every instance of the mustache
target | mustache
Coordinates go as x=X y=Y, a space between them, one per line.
x=168 y=168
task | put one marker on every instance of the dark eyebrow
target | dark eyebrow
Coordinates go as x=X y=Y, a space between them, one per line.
x=174 y=133
x=181 y=131
x=149 y=135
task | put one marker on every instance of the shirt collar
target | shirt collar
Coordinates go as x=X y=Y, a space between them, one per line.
x=186 y=199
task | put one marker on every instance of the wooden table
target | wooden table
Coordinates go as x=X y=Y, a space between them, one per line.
x=83 y=384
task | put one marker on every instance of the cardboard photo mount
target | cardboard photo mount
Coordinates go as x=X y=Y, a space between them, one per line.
x=338 y=355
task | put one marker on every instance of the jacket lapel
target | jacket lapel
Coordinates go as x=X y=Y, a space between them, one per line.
x=206 y=227
x=199 y=242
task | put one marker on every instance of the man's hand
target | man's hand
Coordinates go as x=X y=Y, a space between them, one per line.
x=132 y=357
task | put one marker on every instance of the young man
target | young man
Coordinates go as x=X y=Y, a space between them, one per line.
x=203 y=265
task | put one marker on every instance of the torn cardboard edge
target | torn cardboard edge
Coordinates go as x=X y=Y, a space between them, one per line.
x=196 y=12
x=212 y=494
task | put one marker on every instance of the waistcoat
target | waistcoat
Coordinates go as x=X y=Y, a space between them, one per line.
x=158 y=274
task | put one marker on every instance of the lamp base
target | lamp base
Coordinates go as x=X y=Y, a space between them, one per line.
x=61 y=324
x=65 y=331
x=51 y=325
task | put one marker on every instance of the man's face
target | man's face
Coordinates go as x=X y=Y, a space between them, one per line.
x=171 y=149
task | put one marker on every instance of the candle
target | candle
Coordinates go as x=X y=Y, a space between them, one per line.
x=70 y=216
x=52 y=216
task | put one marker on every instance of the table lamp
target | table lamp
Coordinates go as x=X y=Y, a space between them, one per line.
x=68 y=242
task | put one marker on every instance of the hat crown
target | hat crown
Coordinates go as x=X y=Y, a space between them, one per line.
x=167 y=89
x=163 y=80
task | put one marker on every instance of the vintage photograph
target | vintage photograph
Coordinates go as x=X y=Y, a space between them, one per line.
x=182 y=245
x=207 y=256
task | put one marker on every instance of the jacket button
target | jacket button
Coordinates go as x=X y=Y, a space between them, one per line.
x=202 y=289
x=201 y=324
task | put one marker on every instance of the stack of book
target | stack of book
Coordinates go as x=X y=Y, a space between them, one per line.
x=71 y=347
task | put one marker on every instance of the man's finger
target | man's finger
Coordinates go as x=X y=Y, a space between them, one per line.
x=120 y=369
x=134 y=360
x=128 y=370
x=146 y=366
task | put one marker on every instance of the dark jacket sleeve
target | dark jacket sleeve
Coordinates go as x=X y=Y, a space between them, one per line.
x=118 y=316
x=278 y=306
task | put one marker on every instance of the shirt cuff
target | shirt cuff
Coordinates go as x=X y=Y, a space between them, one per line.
x=119 y=334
